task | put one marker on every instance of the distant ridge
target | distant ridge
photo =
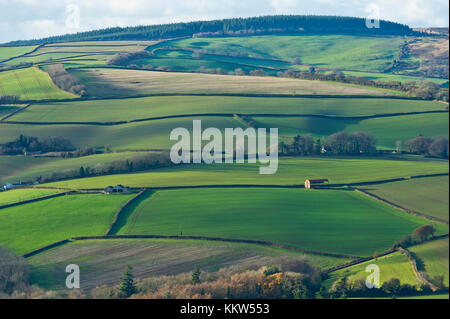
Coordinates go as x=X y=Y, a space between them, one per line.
x=278 y=24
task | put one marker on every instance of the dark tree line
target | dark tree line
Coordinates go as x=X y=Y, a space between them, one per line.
x=134 y=164
x=426 y=90
x=9 y=99
x=30 y=144
x=340 y=143
x=304 y=24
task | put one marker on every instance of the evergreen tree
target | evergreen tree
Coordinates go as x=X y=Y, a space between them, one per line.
x=195 y=276
x=127 y=284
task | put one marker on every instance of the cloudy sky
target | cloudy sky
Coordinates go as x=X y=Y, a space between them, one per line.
x=27 y=19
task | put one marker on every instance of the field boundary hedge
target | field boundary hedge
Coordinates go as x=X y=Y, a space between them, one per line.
x=37 y=199
x=20 y=109
x=164 y=117
x=406 y=210
x=120 y=210
x=416 y=271
x=39 y=250
x=256 y=95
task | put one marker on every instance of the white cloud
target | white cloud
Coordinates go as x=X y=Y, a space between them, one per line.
x=24 y=19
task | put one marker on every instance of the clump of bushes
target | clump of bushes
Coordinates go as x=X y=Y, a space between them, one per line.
x=428 y=146
x=9 y=99
x=126 y=58
x=65 y=80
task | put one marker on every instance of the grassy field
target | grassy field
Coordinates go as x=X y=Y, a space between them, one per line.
x=291 y=171
x=10 y=165
x=18 y=195
x=433 y=256
x=428 y=196
x=393 y=265
x=119 y=82
x=102 y=261
x=132 y=136
x=120 y=110
x=30 y=84
x=334 y=221
x=386 y=130
x=328 y=51
x=10 y=52
x=27 y=227
x=46 y=166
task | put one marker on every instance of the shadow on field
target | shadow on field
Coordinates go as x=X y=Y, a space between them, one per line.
x=128 y=210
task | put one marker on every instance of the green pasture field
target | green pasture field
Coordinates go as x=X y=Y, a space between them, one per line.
x=22 y=194
x=393 y=77
x=10 y=165
x=433 y=256
x=30 y=84
x=44 y=167
x=393 y=265
x=102 y=43
x=387 y=130
x=87 y=49
x=327 y=51
x=428 y=196
x=291 y=171
x=102 y=261
x=6 y=109
x=113 y=82
x=343 y=222
x=10 y=52
x=147 y=107
x=146 y=135
x=27 y=227
x=53 y=58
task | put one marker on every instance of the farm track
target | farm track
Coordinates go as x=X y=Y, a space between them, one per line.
x=225 y=115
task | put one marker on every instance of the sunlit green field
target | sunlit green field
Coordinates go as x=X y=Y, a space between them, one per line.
x=18 y=195
x=30 y=84
x=9 y=52
x=393 y=265
x=434 y=258
x=334 y=221
x=291 y=171
x=332 y=51
x=428 y=196
x=141 y=108
x=27 y=227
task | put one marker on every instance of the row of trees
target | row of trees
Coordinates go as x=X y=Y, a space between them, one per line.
x=236 y=26
x=428 y=146
x=65 y=80
x=9 y=99
x=134 y=164
x=340 y=143
x=30 y=144
x=426 y=90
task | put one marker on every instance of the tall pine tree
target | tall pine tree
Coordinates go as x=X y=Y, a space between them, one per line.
x=127 y=284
